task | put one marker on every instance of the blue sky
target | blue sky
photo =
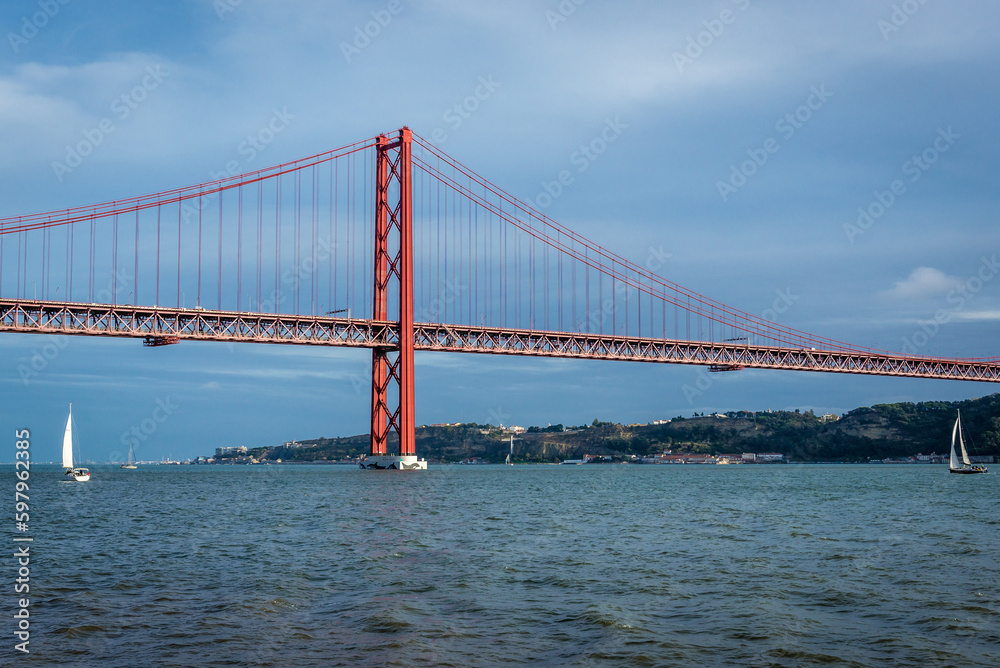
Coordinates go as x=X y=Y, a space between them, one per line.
x=835 y=101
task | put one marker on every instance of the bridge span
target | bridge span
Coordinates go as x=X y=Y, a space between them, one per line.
x=390 y=227
x=163 y=325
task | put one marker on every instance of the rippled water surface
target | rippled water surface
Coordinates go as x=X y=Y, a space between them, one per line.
x=539 y=565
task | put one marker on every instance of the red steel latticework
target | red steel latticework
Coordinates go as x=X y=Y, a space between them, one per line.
x=393 y=266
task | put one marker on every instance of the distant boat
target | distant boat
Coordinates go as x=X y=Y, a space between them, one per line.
x=79 y=474
x=130 y=464
x=511 y=453
x=963 y=466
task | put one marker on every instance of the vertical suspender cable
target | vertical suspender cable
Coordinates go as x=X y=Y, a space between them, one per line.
x=474 y=264
x=156 y=301
x=531 y=283
x=239 y=248
x=545 y=286
x=135 y=287
x=332 y=273
x=503 y=267
x=114 y=262
x=350 y=222
x=296 y=237
x=219 y=272
x=200 y=207
x=438 y=259
x=178 y=252
x=44 y=245
x=260 y=238
x=336 y=229
x=277 y=243
x=69 y=263
x=559 y=303
x=586 y=292
x=17 y=293
x=314 y=271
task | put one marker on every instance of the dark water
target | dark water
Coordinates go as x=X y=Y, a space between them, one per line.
x=482 y=566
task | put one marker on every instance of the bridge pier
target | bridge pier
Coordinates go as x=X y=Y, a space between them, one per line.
x=394 y=463
x=392 y=368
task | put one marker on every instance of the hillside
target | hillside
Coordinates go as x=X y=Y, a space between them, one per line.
x=875 y=432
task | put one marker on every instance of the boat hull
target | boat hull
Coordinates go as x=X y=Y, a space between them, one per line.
x=81 y=475
x=976 y=470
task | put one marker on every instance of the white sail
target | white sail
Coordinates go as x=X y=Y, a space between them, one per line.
x=961 y=443
x=954 y=463
x=67 y=455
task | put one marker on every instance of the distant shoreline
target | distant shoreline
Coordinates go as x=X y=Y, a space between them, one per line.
x=113 y=465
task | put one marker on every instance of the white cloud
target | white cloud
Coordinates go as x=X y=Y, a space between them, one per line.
x=977 y=316
x=922 y=283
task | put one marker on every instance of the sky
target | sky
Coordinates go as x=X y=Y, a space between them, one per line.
x=829 y=165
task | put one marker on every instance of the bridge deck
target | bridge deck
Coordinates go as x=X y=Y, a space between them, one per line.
x=49 y=317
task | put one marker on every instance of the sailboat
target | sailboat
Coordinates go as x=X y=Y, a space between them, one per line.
x=963 y=466
x=511 y=453
x=130 y=464
x=79 y=474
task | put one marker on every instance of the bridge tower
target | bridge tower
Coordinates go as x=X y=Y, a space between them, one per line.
x=392 y=367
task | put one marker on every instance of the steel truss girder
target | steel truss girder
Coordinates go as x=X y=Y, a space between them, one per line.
x=460 y=338
x=48 y=317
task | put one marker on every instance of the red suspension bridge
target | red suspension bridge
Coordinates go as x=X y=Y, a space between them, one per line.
x=387 y=244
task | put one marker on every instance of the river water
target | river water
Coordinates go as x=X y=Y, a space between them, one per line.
x=597 y=565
